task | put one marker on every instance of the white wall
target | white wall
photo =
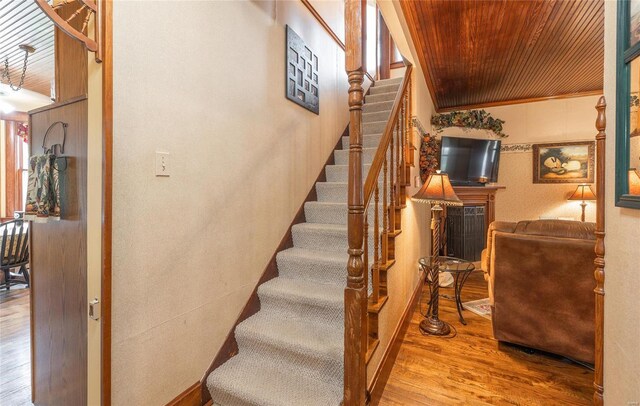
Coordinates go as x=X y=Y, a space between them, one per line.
x=622 y=281
x=204 y=81
x=562 y=120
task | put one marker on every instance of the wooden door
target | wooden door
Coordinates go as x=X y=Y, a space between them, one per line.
x=59 y=267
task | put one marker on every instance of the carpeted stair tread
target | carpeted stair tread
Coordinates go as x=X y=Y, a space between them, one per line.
x=376 y=116
x=336 y=192
x=374 y=98
x=329 y=212
x=249 y=380
x=368 y=141
x=304 y=291
x=324 y=267
x=302 y=338
x=340 y=173
x=386 y=82
x=384 y=89
x=323 y=237
x=379 y=106
x=374 y=127
x=341 y=156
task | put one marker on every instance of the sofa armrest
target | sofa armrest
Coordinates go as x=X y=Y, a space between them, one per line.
x=487 y=253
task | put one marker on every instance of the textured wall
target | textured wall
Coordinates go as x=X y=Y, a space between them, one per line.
x=533 y=123
x=622 y=283
x=204 y=81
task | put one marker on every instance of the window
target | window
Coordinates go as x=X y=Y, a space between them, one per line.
x=16 y=161
x=628 y=105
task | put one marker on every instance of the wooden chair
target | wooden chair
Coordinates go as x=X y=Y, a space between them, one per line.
x=14 y=252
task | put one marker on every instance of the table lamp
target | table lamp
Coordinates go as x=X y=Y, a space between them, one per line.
x=584 y=193
x=634 y=182
x=436 y=191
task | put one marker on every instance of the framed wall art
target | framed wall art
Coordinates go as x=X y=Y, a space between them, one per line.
x=568 y=162
x=302 y=78
x=627 y=185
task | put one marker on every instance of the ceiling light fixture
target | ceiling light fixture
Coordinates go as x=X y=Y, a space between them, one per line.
x=28 y=49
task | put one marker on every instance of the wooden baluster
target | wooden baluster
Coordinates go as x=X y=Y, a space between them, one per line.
x=385 y=214
x=392 y=190
x=403 y=133
x=355 y=294
x=398 y=167
x=365 y=242
x=375 y=296
x=407 y=135
x=601 y=125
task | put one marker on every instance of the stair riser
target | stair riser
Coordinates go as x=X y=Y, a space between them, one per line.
x=341 y=156
x=374 y=128
x=333 y=193
x=322 y=240
x=380 y=97
x=386 y=82
x=377 y=116
x=322 y=272
x=368 y=141
x=340 y=173
x=330 y=214
x=327 y=369
x=375 y=107
x=223 y=398
x=288 y=307
x=384 y=89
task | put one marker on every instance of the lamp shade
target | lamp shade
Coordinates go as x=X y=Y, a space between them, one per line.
x=437 y=190
x=634 y=182
x=583 y=192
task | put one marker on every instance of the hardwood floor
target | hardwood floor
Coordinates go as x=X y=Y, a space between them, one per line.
x=15 y=353
x=473 y=369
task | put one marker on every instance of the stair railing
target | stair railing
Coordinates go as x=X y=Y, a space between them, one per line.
x=391 y=165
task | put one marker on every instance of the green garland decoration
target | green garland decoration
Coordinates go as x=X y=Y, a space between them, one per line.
x=477 y=119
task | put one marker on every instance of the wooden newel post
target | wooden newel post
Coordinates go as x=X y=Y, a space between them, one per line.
x=601 y=124
x=355 y=294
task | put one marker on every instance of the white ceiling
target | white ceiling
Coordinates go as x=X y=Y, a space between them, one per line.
x=22 y=22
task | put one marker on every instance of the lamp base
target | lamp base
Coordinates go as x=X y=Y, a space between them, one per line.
x=434 y=327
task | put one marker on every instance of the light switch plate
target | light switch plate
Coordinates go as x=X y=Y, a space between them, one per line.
x=163 y=167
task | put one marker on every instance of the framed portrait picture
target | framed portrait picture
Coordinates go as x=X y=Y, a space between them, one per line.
x=568 y=162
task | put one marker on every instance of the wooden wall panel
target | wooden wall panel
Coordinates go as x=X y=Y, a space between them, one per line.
x=71 y=64
x=482 y=53
x=59 y=268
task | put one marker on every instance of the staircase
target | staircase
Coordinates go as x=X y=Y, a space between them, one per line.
x=291 y=351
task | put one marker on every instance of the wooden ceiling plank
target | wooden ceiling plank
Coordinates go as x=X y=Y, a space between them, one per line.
x=529 y=53
x=546 y=63
x=572 y=53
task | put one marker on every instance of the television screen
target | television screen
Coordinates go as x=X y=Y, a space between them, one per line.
x=470 y=161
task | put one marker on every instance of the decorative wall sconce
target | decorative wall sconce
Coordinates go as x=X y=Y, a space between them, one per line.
x=28 y=49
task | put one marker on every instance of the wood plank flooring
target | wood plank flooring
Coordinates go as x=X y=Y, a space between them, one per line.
x=15 y=353
x=473 y=369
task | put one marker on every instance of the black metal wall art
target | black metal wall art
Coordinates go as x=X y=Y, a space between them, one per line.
x=302 y=73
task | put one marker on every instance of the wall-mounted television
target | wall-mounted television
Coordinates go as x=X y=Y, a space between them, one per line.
x=469 y=161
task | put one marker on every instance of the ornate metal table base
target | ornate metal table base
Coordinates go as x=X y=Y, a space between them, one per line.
x=459 y=281
x=435 y=327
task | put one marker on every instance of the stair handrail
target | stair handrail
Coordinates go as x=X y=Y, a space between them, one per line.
x=385 y=140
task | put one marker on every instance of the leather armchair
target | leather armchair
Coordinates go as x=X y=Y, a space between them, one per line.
x=541 y=282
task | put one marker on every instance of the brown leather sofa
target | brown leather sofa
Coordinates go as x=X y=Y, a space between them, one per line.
x=541 y=282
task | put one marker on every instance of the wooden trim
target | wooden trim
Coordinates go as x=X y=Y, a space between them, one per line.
x=15 y=116
x=397 y=65
x=598 y=378
x=385 y=41
x=230 y=347
x=192 y=396
x=379 y=380
x=328 y=29
x=520 y=101
x=57 y=104
x=107 y=193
